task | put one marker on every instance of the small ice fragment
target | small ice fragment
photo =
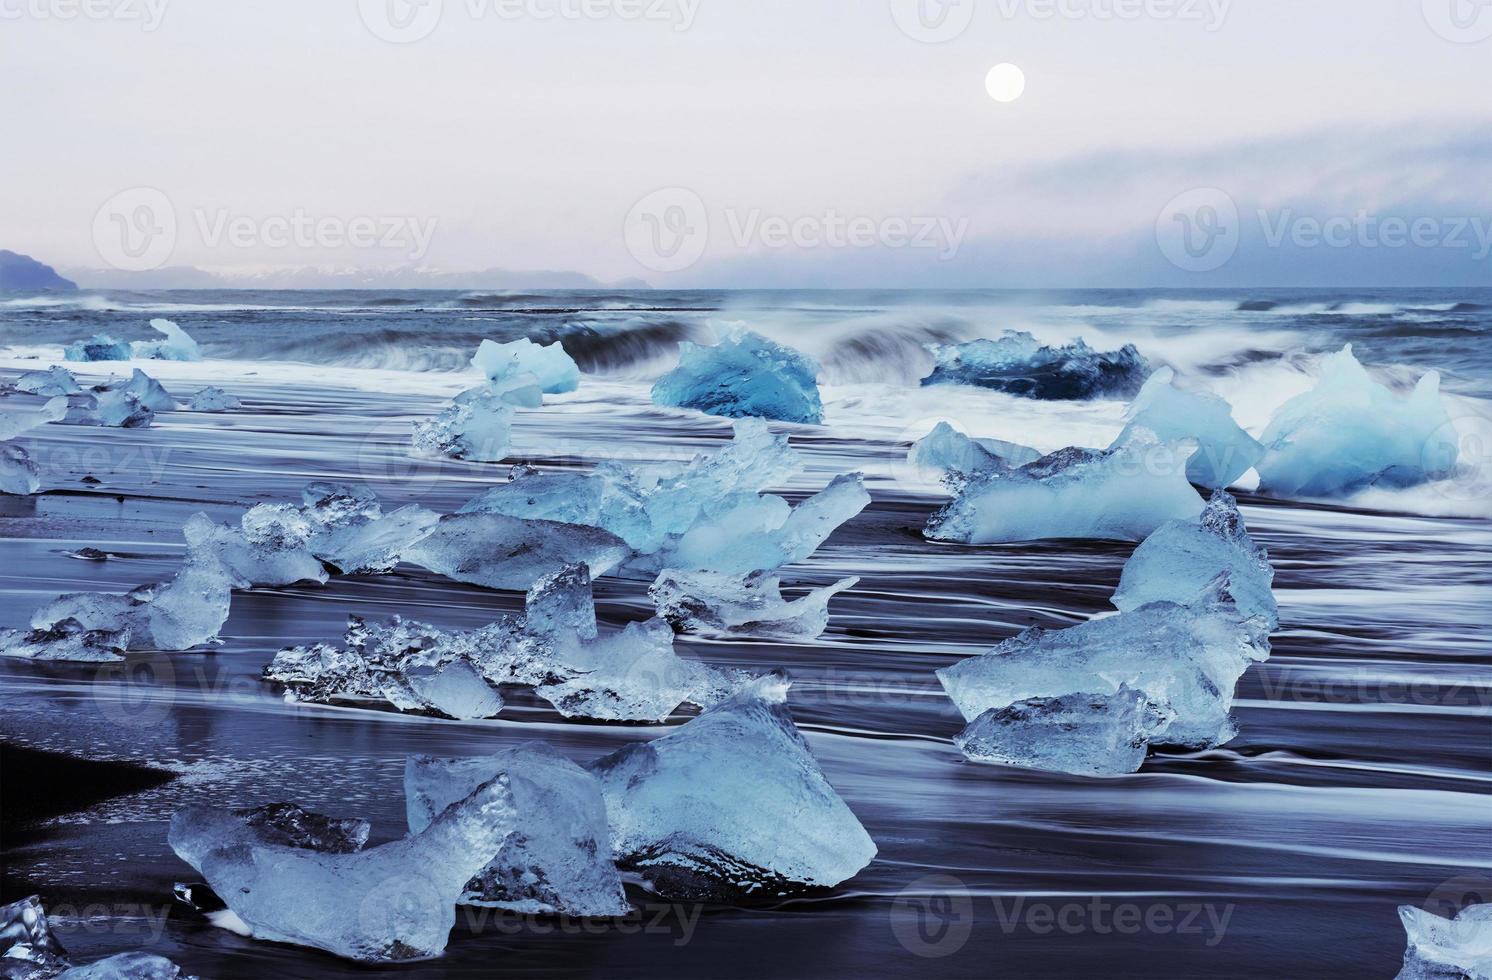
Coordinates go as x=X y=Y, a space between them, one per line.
x=509 y=553
x=1443 y=949
x=197 y=831
x=126 y=966
x=559 y=859
x=945 y=450
x=1169 y=563
x=634 y=675
x=178 y=345
x=146 y=390
x=1084 y=734
x=1018 y=365
x=66 y=640
x=1350 y=432
x=744 y=376
x=268 y=548
x=555 y=370
x=214 y=400
x=479 y=430
x=1224 y=451
x=1120 y=494
x=53 y=381
x=456 y=690
x=719 y=605
x=17 y=419
x=27 y=942
x=392 y=903
x=19 y=474
x=561 y=604
x=99 y=347
x=731 y=804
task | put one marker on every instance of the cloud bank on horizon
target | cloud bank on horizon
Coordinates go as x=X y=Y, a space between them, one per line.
x=781 y=143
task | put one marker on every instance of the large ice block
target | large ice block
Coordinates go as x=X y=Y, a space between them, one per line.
x=99 y=347
x=112 y=408
x=713 y=604
x=65 y=640
x=269 y=547
x=731 y=805
x=184 y=612
x=555 y=370
x=178 y=345
x=1351 y=432
x=745 y=375
x=558 y=859
x=1458 y=948
x=1224 y=451
x=1018 y=365
x=147 y=391
x=503 y=552
x=49 y=383
x=1083 y=734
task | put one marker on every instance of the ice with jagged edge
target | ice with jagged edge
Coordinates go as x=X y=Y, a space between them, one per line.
x=1186 y=659
x=16 y=419
x=178 y=345
x=1120 y=494
x=19 y=474
x=115 y=409
x=732 y=804
x=1458 y=948
x=502 y=552
x=267 y=548
x=196 y=831
x=30 y=951
x=945 y=451
x=350 y=532
x=558 y=860
x=1350 y=432
x=744 y=376
x=1019 y=365
x=555 y=370
x=713 y=604
x=1169 y=563
x=185 y=612
x=147 y=391
x=1224 y=451
x=1083 y=734
x=99 y=347
x=479 y=430
x=67 y=640
x=391 y=903
x=51 y=382
x=214 y=400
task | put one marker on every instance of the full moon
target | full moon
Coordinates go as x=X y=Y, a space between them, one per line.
x=1005 y=82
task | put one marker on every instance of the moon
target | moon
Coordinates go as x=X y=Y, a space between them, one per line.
x=1005 y=82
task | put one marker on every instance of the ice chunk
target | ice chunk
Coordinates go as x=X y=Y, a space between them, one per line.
x=1442 y=949
x=1351 y=432
x=731 y=804
x=178 y=345
x=127 y=966
x=17 y=419
x=116 y=409
x=559 y=858
x=741 y=605
x=28 y=949
x=53 y=381
x=1018 y=365
x=1083 y=734
x=1168 y=565
x=65 y=640
x=480 y=430
x=268 y=548
x=391 y=903
x=745 y=375
x=456 y=690
x=1224 y=451
x=502 y=552
x=945 y=450
x=99 y=347
x=350 y=532
x=555 y=370
x=18 y=472
x=561 y=603
x=634 y=675
x=1186 y=659
x=518 y=390
x=1120 y=494
x=214 y=400
x=186 y=612
x=146 y=390
x=197 y=831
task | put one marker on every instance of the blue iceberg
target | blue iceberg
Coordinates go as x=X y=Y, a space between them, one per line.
x=1350 y=432
x=555 y=370
x=1224 y=451
x=178 y=345
x=99 y=347
x=1018 y=365
x=744 y=376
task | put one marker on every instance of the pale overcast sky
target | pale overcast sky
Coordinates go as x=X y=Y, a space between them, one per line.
x=521 y=133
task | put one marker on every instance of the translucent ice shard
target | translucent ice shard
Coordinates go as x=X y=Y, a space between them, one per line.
x=214 y=400
x=179 y=614
x=269 y=547
x=197 y=831
x=28 y=948
x=745 y=375
x=1186 y=659
x=1083 y=734
x=479 y=429
x=1120 y=494
x=1351 y=432
x=731 y=804
x=502 y=552
x=178 y=345
x=1443 y=949
x=556 y=371
x=65 y=640
x=391 y=903
x=1018 y=365
x=126 y=966
x=945 y=451
x=713 y=604
x=558 y=860
x=1224 y=451
x=51 y=382
x=350 y=532
x=19 y=474
x=16 y=419
x=1168 y=565
x=117 y=408
x=147 y=391
x=634 y=675
x=456 y=690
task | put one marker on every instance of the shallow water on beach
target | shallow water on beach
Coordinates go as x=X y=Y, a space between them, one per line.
x=1361 y=780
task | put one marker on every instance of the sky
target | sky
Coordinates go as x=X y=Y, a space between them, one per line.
x=758 y=142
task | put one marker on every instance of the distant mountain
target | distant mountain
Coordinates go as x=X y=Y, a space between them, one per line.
x=23 y=272
x=335 y=277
